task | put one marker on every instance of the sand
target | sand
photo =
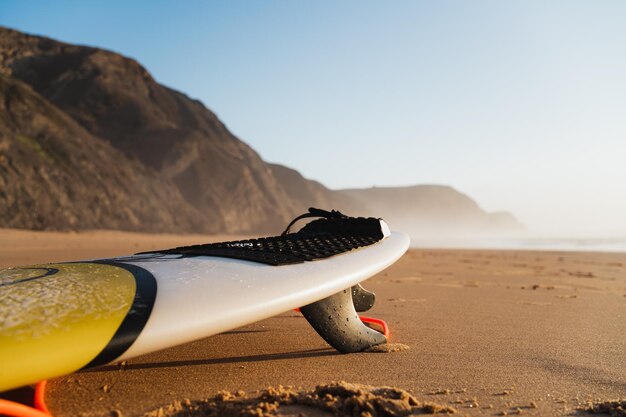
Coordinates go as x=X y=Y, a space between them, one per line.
x=340 y=398
x=488 y=333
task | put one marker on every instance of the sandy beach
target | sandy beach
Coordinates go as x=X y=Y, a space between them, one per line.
x=489 y=333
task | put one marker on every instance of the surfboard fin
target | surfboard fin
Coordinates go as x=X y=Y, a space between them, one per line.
x=335 y=320
x=363 y=299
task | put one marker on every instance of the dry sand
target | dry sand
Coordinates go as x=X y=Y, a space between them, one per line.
x=490 y=333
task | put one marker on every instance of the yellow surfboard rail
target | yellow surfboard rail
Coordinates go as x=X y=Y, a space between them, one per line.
x=64 y=320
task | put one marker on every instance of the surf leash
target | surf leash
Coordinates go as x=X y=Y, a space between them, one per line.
x=384 y=329
x=15 y=409
x=315 y=213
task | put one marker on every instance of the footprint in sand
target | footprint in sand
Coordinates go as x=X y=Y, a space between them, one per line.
x=407 y=279
x=534 y=303
x=407 y=300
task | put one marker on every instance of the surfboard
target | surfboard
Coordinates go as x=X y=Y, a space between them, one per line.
x=58 y=318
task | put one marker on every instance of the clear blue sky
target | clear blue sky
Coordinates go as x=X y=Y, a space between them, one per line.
x=521 y=105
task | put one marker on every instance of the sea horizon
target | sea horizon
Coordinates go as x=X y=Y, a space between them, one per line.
x=538 y=242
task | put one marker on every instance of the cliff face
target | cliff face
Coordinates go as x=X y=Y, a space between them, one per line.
x=304 y=192
x=88 y=139
x=55 y=175
x=115 y=99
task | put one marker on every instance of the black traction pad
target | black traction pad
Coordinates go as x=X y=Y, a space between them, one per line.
x=318 y=239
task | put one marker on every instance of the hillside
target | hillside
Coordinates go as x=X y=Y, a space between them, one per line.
x=54 y=173
x=88 y=139
x=305 y=193
x=431 y=209
x=114 y=98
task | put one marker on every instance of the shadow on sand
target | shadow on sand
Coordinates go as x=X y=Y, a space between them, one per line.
x=312 y=353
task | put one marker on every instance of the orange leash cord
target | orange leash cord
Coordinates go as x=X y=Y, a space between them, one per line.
x=40 y=403
x=382 y=323
x=13 y=409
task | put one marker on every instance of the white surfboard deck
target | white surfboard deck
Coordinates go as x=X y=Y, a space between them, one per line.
x=202 y=296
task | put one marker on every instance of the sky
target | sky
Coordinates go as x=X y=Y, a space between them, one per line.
x=519 y=104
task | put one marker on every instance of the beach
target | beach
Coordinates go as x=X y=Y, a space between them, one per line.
x=489 y=333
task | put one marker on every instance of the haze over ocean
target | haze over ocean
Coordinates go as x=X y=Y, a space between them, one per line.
x=519 y=105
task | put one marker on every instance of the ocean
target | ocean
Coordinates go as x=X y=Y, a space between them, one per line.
x=570 y=244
